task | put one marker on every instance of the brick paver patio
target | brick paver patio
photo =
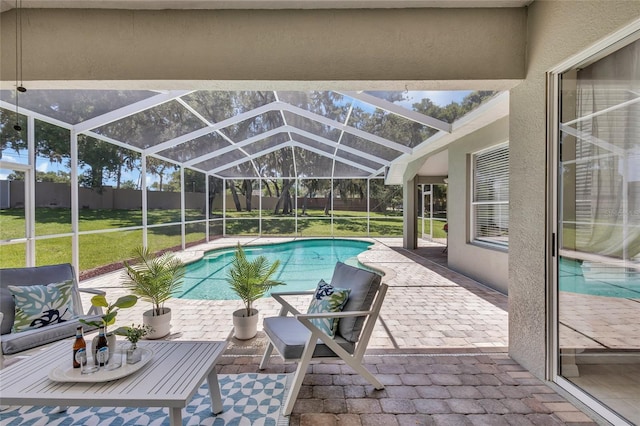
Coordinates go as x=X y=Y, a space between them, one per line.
x=440 y=348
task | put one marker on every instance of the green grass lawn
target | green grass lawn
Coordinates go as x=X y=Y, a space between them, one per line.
x=95 y=249
x=109 y=247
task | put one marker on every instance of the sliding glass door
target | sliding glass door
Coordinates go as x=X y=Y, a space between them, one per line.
x=598 y=229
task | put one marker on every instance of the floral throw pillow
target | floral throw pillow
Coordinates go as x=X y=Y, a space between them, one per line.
x=327 y=298
x=41 y=305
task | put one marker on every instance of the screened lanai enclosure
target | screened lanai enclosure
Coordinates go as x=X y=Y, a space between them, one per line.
x=87 y=175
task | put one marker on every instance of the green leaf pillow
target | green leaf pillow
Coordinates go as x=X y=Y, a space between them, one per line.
x=40 y=305
x=327 y=298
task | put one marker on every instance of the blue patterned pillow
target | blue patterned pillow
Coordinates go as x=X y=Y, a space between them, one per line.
x=327 y=298
x=41 y=305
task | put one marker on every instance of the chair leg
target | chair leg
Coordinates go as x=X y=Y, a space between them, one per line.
x=265 y=358
x=361 y=370
x=301 y=371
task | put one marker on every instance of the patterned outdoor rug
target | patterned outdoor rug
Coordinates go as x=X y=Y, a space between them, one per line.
x=248 y=399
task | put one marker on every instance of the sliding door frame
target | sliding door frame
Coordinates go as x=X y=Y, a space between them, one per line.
x=595 y=52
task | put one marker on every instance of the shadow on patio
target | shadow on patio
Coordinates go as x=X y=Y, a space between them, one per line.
x=440 y=348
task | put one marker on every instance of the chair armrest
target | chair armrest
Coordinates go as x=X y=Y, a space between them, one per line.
x=347 y=314
x=292 y=293
x=93 y=310
x=286 y=306
x=92 y=291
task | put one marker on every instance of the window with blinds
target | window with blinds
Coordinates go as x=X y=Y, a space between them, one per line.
x=490 y=198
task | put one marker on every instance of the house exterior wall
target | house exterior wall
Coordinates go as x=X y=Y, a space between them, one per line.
x=258 y=48
x=556 y=31
x=489 y=266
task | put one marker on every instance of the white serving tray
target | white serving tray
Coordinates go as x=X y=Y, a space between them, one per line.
x=66 y=373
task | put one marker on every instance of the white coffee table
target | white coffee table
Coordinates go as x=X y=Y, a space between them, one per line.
x=169 y=380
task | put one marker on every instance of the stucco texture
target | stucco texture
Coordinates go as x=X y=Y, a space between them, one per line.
x=266 y=45
x=486 y=265
x=556 y=31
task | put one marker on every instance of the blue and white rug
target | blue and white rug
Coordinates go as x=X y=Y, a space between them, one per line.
x=248 y=399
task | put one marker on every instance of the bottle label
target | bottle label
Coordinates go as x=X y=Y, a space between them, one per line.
x=81 y=356
x=103 y=355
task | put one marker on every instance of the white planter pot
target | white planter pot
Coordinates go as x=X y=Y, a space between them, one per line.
x=161 y=324
x=245 y=327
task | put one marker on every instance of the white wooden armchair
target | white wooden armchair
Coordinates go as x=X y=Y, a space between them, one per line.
x=297 y=338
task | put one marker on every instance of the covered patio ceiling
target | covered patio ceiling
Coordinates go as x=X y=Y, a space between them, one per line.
x=250 y=134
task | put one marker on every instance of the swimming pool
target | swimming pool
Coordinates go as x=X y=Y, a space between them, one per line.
x=599 y=280
x=302 y=264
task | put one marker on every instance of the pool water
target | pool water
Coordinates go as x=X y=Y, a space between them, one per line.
x=302 y=264
x=595 y=279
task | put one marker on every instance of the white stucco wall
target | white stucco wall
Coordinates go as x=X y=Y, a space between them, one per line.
x=556 y=30
x=489 y=266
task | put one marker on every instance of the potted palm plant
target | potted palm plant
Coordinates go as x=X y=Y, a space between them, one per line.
x=155 y=279
x=249 y=280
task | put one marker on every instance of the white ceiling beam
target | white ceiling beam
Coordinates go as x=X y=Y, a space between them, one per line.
x=194 y=112
x=339 y=159
x=348 y=129
x=401 y=111
x=341 y=147
x=280 y=106
x=168 y=160
x=250 y=158
x=289 y=130
x=217 y=126
x=287 y=145
x=113 y=141
x=135 y=149
x=128 y=110
x=24 y=111
x=238 y=145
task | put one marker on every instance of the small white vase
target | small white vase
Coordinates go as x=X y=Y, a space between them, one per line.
x=160 y=324
x=245 y=327
x=134 y=354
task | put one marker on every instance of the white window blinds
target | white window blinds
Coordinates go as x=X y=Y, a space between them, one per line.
x=490 y=198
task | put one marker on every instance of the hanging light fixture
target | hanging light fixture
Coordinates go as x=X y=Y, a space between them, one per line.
x=19 y=83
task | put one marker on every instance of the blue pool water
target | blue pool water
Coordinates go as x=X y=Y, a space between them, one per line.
x=302 y=264
x=598 y=280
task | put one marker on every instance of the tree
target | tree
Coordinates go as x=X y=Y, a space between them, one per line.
x=157 y=167
x=129 y=184
x=234 y=195
x=216 y=186
x=247 y=189
x=454 y=110
x=101 y=158
x=313 y=186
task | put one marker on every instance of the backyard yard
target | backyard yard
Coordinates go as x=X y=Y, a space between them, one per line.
x=108 y=236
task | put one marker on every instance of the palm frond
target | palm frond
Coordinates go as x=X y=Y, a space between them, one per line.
x=250 y=280
x=154 y=279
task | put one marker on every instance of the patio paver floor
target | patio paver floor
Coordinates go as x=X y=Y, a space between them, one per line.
x=440 y=348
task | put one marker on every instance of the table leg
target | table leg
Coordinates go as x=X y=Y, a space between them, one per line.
x=214 y=392
x=175 y=416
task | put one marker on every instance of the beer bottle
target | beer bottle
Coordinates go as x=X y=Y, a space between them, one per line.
x=79 y=349
x=102 y=349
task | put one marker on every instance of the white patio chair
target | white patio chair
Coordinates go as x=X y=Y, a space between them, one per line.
x=296 y=338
